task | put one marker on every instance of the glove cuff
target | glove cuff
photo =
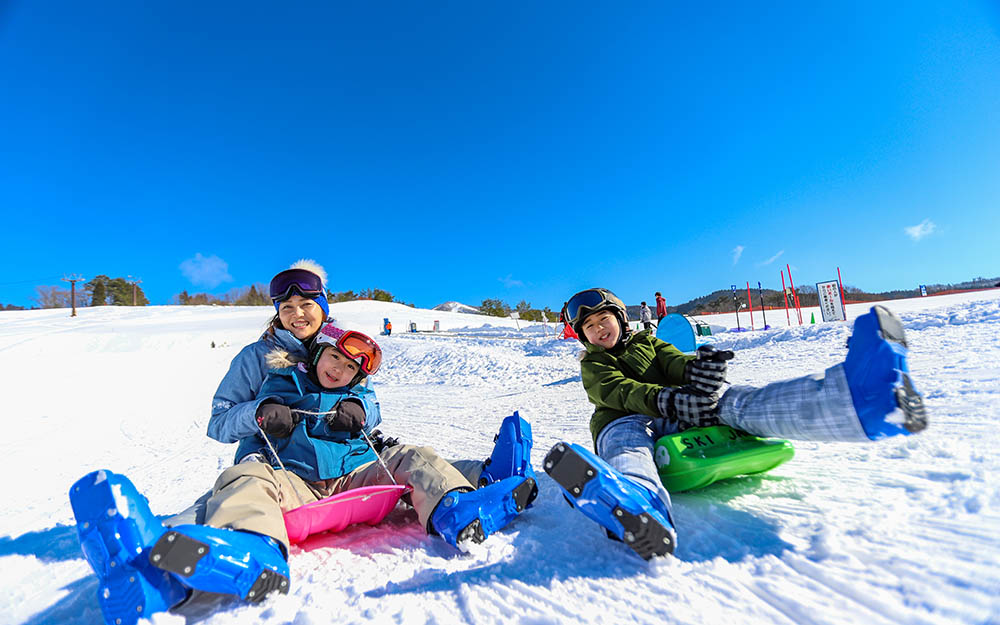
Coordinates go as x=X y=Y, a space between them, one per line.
x=665 y=404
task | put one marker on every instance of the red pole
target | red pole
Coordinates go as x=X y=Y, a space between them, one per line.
x=784 y=296
x=798 y=309
x=843 y=302
x=750 y=304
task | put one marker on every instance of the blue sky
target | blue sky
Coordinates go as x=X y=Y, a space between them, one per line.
x=459 y=151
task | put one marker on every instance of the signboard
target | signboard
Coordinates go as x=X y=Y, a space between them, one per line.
x=830 y=304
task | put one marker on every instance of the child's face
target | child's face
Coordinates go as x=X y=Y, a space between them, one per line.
x=334 y=369
x=601 y=328
x=301 y=316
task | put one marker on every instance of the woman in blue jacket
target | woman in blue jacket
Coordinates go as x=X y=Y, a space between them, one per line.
x=313 y=419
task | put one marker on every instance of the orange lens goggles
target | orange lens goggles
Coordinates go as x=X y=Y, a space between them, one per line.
x=354 y=344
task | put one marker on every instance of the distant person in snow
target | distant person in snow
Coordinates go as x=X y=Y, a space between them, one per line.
x=315 y=418
x=645 y=316
x=386 y=327
x=643 y=388
x=661 y=307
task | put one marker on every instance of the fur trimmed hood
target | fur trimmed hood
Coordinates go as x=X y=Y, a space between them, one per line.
x=281 y=359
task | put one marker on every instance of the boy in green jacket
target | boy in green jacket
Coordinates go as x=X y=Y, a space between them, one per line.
x=643 y=388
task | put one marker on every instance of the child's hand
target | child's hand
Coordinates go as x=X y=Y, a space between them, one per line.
x=348 y=416
x=275 y=419
x=689 y=406
x=707 y=372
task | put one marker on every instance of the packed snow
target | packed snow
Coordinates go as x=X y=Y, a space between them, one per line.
x=901 y=531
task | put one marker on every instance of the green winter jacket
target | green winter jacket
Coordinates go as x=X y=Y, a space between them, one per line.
x=626 y=379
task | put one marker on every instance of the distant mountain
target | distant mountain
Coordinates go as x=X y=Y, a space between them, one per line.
x=457 y=307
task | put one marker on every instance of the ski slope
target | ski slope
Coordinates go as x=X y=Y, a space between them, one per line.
x=902 y=531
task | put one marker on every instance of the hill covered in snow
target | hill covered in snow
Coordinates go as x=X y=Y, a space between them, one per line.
x=457 y=307
x=902 y=531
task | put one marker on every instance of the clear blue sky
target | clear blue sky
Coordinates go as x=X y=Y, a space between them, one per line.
x=464 y=150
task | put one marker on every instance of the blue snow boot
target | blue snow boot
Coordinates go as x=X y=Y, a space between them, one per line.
x=511 y=454
x=474 y=515
x=225 y=561
x=630 y=512
x=879 y=378
x=116 y=530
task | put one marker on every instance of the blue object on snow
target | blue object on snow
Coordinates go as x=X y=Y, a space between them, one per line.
x=511 y=454
x=116 y=530
x=879 y=378
x=630 y=512
x=224 y=561
x=474 y=515
x=676 y=330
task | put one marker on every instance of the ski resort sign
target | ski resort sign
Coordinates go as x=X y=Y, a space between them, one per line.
x=830 y=304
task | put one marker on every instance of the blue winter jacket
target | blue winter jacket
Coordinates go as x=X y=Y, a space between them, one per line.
x=234 y=407
x=313 y=451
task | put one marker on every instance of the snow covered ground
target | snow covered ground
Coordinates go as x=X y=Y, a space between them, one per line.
x=903 y=531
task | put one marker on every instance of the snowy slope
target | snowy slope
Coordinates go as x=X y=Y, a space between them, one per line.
x=904 y=531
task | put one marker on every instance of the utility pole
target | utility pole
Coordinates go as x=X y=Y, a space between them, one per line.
x=133 y=282
x=72 y=289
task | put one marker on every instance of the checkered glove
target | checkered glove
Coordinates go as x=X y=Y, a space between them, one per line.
x=689 y=406
x=707 y=372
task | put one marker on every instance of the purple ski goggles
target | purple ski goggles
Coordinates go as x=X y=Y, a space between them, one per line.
x=286 y=283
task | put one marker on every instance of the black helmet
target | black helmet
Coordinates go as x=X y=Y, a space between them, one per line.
x=590 y=301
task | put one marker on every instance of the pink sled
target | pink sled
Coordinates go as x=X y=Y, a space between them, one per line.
x=369 y=504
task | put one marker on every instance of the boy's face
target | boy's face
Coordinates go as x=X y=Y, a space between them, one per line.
x=334 y=369
x=602 y=329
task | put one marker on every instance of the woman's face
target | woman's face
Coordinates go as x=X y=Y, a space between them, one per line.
x=301 y=316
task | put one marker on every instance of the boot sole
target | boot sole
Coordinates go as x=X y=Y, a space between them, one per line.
x=907 y=397
x=642 y=532
x=180 y=554
x=129 y=587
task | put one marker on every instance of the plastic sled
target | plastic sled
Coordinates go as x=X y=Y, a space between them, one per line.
x=698 y=457
x=676 y=330
x=369 y=504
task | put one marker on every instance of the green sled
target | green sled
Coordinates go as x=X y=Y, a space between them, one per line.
x=698 y=457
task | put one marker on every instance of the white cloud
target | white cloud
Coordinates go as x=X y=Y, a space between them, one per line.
x=206 y=271
x=510 y=282
x=737 y=252
x=920 y=230
x=772 y=259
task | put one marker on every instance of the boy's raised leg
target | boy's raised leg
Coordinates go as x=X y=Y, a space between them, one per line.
x=867 y=397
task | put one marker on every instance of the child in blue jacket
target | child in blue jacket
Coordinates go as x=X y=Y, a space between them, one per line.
x=313 y=422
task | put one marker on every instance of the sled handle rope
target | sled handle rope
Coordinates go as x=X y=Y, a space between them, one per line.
x=363 y=433
x=281 y=464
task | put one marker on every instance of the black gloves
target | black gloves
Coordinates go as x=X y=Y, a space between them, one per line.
x=380 y=441
x=275 y=419
x=347 y=416
x=707 y=373
x=689 y=406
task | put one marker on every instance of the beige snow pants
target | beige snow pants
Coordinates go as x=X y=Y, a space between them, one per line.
x=251 y=496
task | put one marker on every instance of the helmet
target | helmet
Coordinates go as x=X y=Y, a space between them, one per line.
x=590 y=301
x=352 y=344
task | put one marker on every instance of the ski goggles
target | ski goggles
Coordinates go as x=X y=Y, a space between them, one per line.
x=290 y=281
x=584 y=302
x=357 y=347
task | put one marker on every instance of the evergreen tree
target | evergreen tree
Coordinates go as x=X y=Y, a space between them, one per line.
x=494 y=307
x=98 y=290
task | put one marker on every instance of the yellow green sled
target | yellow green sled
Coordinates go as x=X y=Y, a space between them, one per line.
x=698 y=457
